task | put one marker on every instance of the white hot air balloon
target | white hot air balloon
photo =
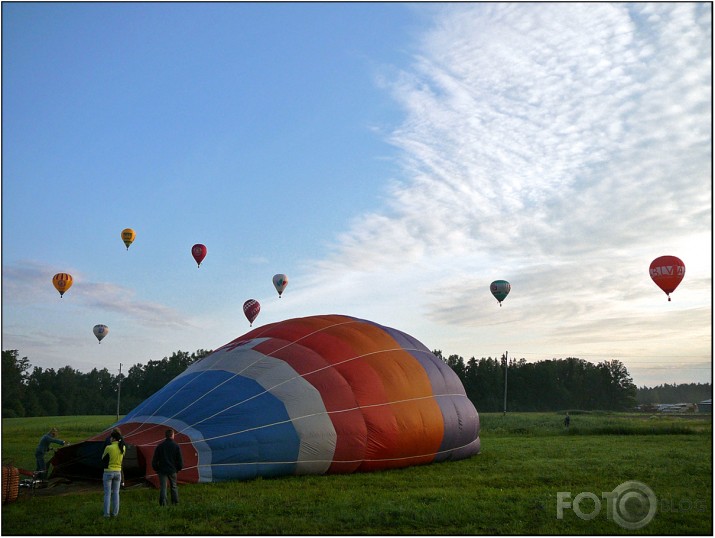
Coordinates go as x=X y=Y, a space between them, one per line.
x=100 y=331
x=280 y=281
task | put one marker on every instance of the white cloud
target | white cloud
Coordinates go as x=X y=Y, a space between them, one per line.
x=559 y=146
x=30 y=283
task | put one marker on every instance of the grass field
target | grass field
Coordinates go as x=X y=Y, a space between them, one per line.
x=512 y=487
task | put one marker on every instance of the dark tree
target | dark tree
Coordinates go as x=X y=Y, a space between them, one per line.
x=14 y=383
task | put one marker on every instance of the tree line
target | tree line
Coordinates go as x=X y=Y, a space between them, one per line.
x=683 y=393
x=33 y=391
x=547 y=385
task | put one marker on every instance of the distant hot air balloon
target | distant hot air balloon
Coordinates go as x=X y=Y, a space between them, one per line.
x=667 y=272
x=100 y=331
x=62 y=282
x=500 y=289
x=198 y=251
x=128 y=236
x=280 y=281
x=251 y=308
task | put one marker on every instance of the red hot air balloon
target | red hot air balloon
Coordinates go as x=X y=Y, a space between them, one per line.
x=251 y=308
x=198 y=251
x=667 y=272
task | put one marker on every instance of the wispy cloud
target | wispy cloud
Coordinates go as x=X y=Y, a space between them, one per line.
x=541 y=129
x=30 y=282
x=560 y=146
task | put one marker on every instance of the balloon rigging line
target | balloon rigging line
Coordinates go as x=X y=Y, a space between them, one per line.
x=268 y=390
x=301 y=376
x=229 y=347
x=294 y=378
x=310 y=415
x=401 y=458
x=263 y=356
x=326 y=412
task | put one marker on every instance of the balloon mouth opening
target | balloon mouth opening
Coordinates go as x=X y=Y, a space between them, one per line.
x=83 y=461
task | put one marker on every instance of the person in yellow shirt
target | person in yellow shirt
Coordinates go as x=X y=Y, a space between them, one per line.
x=112 y=458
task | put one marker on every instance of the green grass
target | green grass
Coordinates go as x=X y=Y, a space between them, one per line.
x=510 y=488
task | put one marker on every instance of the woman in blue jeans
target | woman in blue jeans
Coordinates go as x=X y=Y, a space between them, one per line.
x=112 y=458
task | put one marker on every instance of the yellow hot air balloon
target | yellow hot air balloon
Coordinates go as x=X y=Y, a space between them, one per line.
x=128 y=236
x=62 y=282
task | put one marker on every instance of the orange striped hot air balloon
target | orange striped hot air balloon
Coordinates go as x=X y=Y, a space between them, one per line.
x=62 y=282
x=306 y=396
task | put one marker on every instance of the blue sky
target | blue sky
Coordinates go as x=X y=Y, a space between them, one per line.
x=392 y=159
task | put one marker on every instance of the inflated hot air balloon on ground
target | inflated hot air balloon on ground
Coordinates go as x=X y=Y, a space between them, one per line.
x=251 y=308
x=667 y=272
x=128 y=236
x=280 y=282
x=314 y=395
x=500 y=289
x=198 y=251
x=62 y=282
x=100 y=331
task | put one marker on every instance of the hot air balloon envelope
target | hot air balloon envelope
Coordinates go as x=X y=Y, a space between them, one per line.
x=100 y=331
x=500 y=289
x=198 y=251
x=62 y=282
x=251 y=308
x=128 y=236
x=314 y=395
x=280 y=282
x=667 y=272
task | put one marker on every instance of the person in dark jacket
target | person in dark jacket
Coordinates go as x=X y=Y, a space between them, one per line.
x=167 y=462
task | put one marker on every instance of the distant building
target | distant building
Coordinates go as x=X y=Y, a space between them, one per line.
x=677 y=408
x=706 y=406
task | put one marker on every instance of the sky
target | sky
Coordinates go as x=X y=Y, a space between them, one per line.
x=393 y=159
